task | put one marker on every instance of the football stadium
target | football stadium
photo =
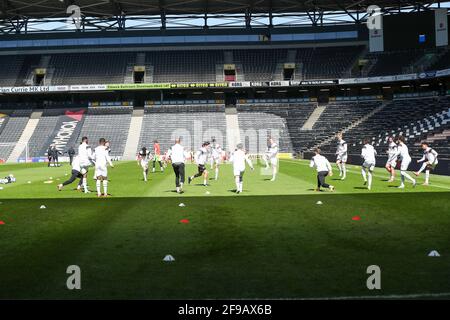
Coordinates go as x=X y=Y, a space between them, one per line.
x=193 y=150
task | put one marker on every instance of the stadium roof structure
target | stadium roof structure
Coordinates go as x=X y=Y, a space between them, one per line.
x=17 y=16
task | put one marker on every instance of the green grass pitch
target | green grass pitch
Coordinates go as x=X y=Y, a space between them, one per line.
x=272 y=241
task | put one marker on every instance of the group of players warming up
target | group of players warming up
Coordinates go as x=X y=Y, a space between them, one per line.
x=397 y=157
x=98 y=158
x=210 y=152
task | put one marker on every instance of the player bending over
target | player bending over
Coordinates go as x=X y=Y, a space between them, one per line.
x=273 y=157
x=341 y=156
x=405 y=160
x=216 y=155
x=323 y=168
x=430 y=161
x=368 y=154
x=391 y=162
x=201 y=157
x=102 y=159
x=143 y=160
x=77 y=173
x=238 y=158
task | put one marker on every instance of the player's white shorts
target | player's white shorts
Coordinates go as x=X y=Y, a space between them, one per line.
x=369 y=165
x=85 y=164
x=392 y=163
x=342 y=157
x=274 y=161
x=101 y=171
x=238 y=172
x=144 y=164
x=433 y=165
x=405 y=164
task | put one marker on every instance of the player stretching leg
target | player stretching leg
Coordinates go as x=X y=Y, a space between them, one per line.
x=405 y=158
x=201 y=157
x=368 y=153
x=143 y=160
x=392 y=159
x=77 y=173
x=216 y=154
x=102 y=159
x=323 y=168
x=238 y=158
x=341 y=156
x=273 y=156
x=429 y=160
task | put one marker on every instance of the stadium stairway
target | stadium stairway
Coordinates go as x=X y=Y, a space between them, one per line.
x=134 y=134
x=351 y=126
x=233 y=133
x=315 y=115
x=25 y=137
x=437 y=136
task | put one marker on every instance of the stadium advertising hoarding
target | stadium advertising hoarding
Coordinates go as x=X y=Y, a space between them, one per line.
x=34 y=89
x=400 y=77
x=208 y=85
x=138 y=86
x=199 y=85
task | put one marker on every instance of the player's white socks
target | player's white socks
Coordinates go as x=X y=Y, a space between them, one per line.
x=403 y=175
x=241 y=184
x=216 y=174
x=99 y=184
x=363 y=172
x=105 y=187
x=340 y=169
x=427 y=176
x=370 y=180
x=424 y=165
x=274 y=173
x=145 y=176
x=85 y=185
x=344 y=171
x=204 y=182
x=237 y=180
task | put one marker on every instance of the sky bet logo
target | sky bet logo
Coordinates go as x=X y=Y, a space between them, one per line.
x=374 y=17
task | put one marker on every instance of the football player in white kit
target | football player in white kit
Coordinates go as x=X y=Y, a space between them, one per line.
x=102 y=159
x=429 y=162
x=368 y=153
x=341 y=156
x=391 y=162
x=405 y=160
x=201 y=157
x=143 y=160
x=238 y=158
x=86 y=160
x=273 y=157
x=216 y=155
